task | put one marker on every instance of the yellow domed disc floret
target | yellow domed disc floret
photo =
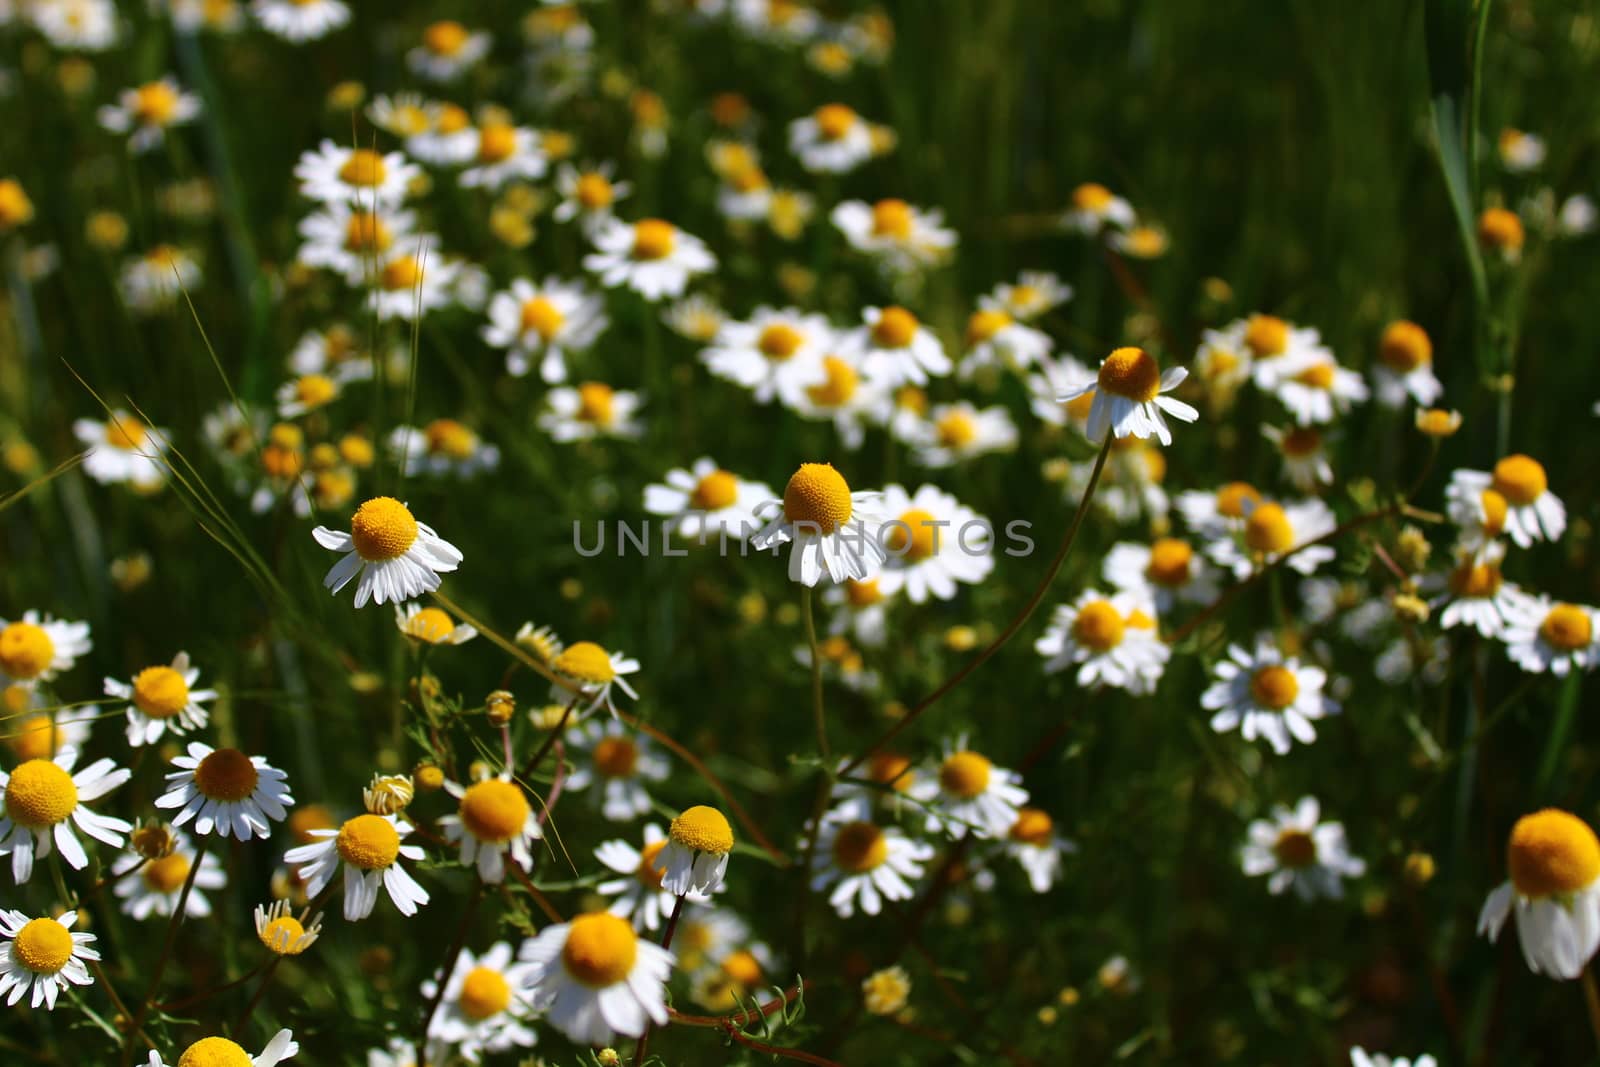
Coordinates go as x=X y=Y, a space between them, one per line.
x=586 y=662
x=965 y=774
x=26 y=650
x=1295 y=848
x=715 y=491
x=364 y=167
x=780 y=341
x=896 y=328
x=1132 y=373
x=431 y=625
x=485 y=993
x=1552 y=853
x=615 y=757
x=368 y=841
x=1033 y=827
x=819 y=496
x=1098 y=626
x=383 y=529
x=1520 y=479
x=1274 y=686
x=1567 y=627
x=1169 y=562
x=702 y=829
x=653 y=239
x=494 y=810
x=600 y=950
x=43 y=946
x=650 y=871
x=542 y=317
x=859 y=847
x=1268 y=530
x=215 y=1052
x=227 y=775
x=40 y=794
x=160 y=692
x=167 y=874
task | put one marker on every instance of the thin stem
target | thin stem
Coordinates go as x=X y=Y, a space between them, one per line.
x=816 y=673
x=1591 y=1001
x=544 y=749
x=449 y=966
x=201 y=843
x=666 y=942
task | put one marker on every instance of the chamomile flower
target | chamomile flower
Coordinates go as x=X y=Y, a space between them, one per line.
x=777 y=354
x=1034 y=293
x=652 y=257
x=41 y=801
x=444 y=447
x=505 y=153
x=226 y=1053
x=1547 y=635
x=745 y=195
x=225 y=792
x=354 y=175
x=396 y=557
x=152 y=282
x=966 y=793
x=862 y=864
x=486 y=1003
x=42 y=957
x=1267 y=694
x=449 y=139
x=1166 y=572
x=1036 y=846
x=123 y=449
x=695 y=856
x=494 y=820
x=1405 y=366
x=1095 y=208
x=448 y=50
x=545 y=322
x=639 y=896
x=696 y=318
x=1054 y=378
x=1319 y=390
x=1501 y=232
x=36 y=648
x=619 y=762
x=835 y=531
x=353 y=239
x=861 y=610
x=431 y=626
x=934 y=542
x=893 y=348
x=1140 y=241
x=163 y=698
x=1476 y=593
x=284 y=934
x=1298 y=851
x=705 y=500
x=1111 y=640
x=1532 y=511
x=1304 y=457
x=904 y=237
x=594 y=978
x=402 y=115
x=402 y=1052
x=1128 y=397
x=591 y=410
x=1360 y=1058
x=954 y=433
x=80 y=25
x=414 y=279
x=148 y=111
x=38 y=734
x=595 y=672
x=1271 y=530
x=1553 y=859
x=369 y=848
x=841 y=395
x=833 y=139
x=589 y=195
x=1218 y=513
x=995 y=338
x=1520 y=152
x=298 y=21
x=311 y=392
x=149 y=887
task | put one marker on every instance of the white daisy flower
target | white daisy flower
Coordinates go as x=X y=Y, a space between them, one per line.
x=402 y=115
x=326 y=351
x=42 y=800
x=298 y=21
x=863 y=864
x=893 y=348
x=1036 y=846
x=402 y=1052
x=843 y=397
x=546 y=322
x=589 y=195
x=695 y=856
x=1300 y=851
x=957 y=432
x=1111 y=639
x=1054 y=378
x=153 y=887
x=221 y=1050
x=1319 y=390
x=444 y=447
x=903 y=236
x=226 y=792
x=310 y=392
x=639 y=896
x=396 y=557
x=1552 y=636
x=995 y=338
x=835 y=531
x=1577 y=216
x=1405 y=366
x=148 y=111
x=494 y=819
x=1271 y=530
x=1128 y=397
x=966 y=793
x=414 y=279
x=777 y=354
x=1305 y=460
x=447 y=51
x=861 y=610
x=1166 y=572
x=1140 y=241
x=153 y=282
x=833 y=139
x=123 y=449
x=1094 y=208
x=591 y=410
x=1532 y=511
x=486 y=1006
x=841 y=663
x=161 y=699
x=369 y=848
x=353 y=239
x=450 y=140
x=36 y=648
x=620 y=762
x=504 y=154
x=1360 y=1058
x=42 y=956
x=1034 y=293
x=431 y=626
x=1554 y=892
x=651 y=257
x=76 y=25
x=594 y=978
x=1267 y=694
x=284 y=934
x=1219 y=513
x=355 y=175
x=695 y=318
x=595 y=671
x=706 y=500
x=745 y=195
x=933 y=542
x=1222 y=363
x=1476 y=593
x=1520 y=152
x=1277 y=349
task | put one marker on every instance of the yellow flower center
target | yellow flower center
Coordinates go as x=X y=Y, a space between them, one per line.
x=1295 y=848
x=1274 y=687
x=160 y=692
x=366 y=232
x=15 y=207
x=910 y=398
x=452 y=119
x=364 y=167
x=600 y=950
x=913 y=539
x=819 y=496
x=839 y=386
x=780 y=341
x=449 y=437
x=742 y=967
x=653 y=239
x=43 y=946
x=368 y=841
x=494 y=810
x=401 y=273
x=445 y=37
x=650 y=872
x=1132 y=373
x=36 y=737
x=595 y=403
x=125 y=432
x=1138 y=620
x=1169 y=562
x=716 y=491
x=891 y=769
x=1502 y=229
x=1494 y=511
x=1268 y=530
x=1520 y=479
x=702 y=829
x=215 y=1052
x=1480 y=581
x=1098 y=626
x=167 y=874
x=497 y=143
x=282 y=935
x=586 y=662
x=891 y=218
x=1567 y=627
x=40 y=794
x=615 y=757
x=542 y=317
x=1232 y=498
x=957 y=429
x=1300 y=442
x=1317 y=376
x=431 y=625
x=895 y=328
x=485 y=993
x=859 y=847
x=862 y=594
x=1266 y=336
x=1033 y=827
x=1552 y=853
x=1092 y=196
x=1146 y=242
x=26 y=650
x=155 y=103
x=985 y=323
x=281 y=463
x=1437 y=422
x=965 y=774
x=834 y=121
x=594 y=191
x=227 y=775
x=314 y=390
x=383 y=529
x=1405 y=346
x=750 y=179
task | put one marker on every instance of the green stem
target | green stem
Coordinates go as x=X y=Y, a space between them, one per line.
x=816 y=673
x=1560 y=729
